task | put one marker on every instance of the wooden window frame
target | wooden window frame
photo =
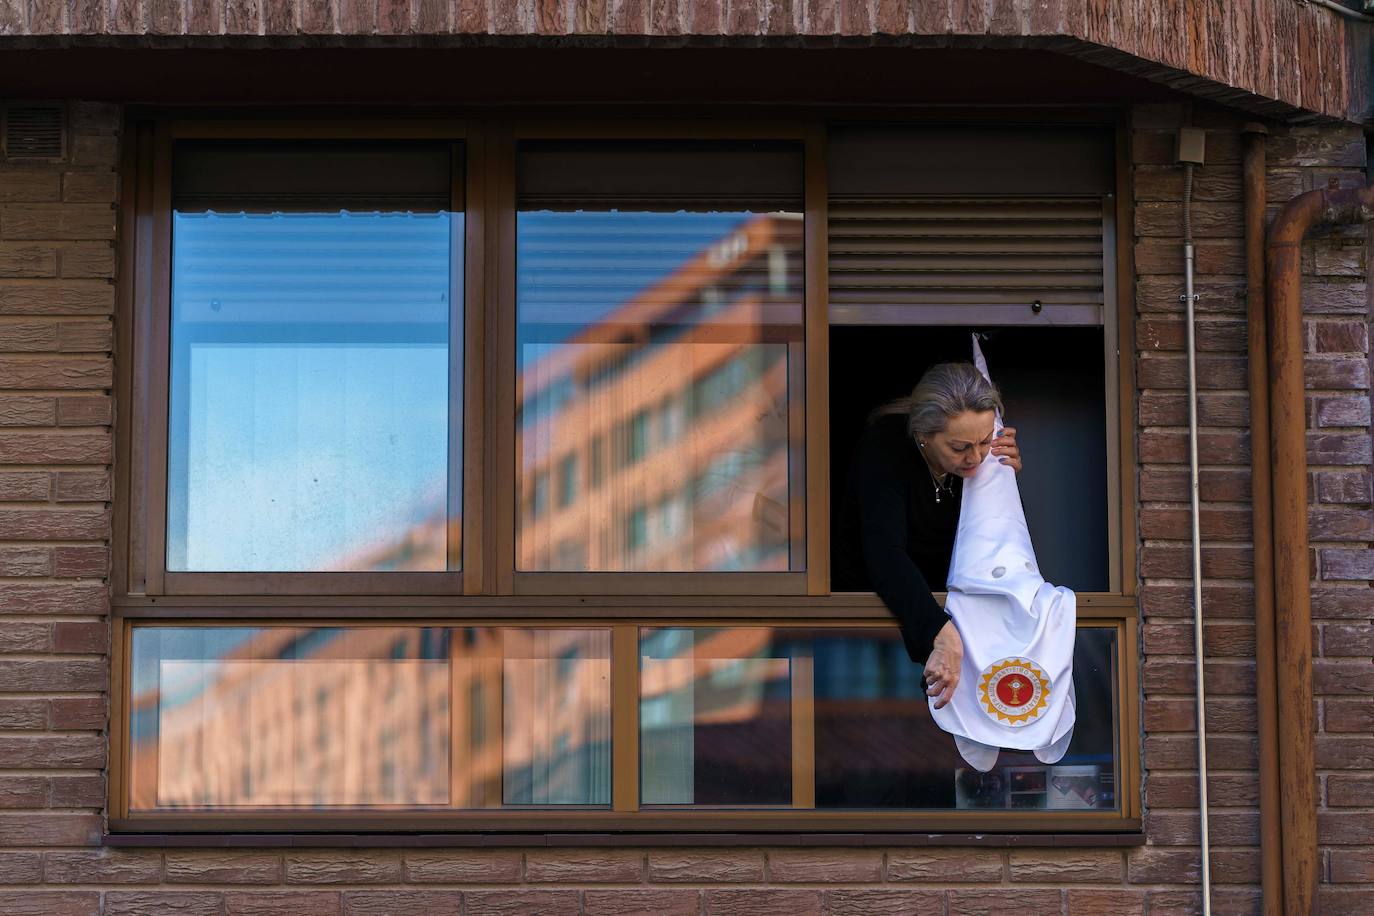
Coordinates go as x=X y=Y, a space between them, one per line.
x=807 y=513
x=624 y=813
x=140 y=561
x=488 y=590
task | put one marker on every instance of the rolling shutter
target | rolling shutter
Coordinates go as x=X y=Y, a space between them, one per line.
x=956 y=260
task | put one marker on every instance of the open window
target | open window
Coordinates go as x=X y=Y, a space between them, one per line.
x=466 y=483
x=940 y=232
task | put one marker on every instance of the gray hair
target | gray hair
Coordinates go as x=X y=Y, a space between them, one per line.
x=944 y=392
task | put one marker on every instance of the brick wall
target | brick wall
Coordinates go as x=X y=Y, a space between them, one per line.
x=57 y=263
x=57 y=226
x=1336 y=303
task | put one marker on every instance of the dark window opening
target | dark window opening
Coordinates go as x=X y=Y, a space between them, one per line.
x=1053 y=384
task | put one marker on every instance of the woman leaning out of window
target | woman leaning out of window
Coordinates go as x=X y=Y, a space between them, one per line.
x=901 y=508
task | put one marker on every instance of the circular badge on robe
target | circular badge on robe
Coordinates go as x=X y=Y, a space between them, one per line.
x=1013 y=691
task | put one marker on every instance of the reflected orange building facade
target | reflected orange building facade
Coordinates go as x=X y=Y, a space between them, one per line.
x=374 y=718
x=323 y=718
x=657 y=437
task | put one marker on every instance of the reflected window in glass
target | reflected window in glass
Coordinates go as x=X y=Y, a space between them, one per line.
x=659 y=309
x=734 y=716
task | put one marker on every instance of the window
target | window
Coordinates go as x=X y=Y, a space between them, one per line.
x=400 y=718
x=314 y=364
x=1058 y=407
x=651 y=274
x=933 y=238
x=475 y=473
x=567 y=480
x=837 y=719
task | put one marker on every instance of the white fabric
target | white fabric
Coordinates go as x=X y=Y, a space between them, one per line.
x=1017 y=629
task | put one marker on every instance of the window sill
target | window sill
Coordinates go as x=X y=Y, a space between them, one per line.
x=1134 y=837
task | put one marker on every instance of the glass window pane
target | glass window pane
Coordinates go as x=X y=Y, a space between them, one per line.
x=557 y=717
x=659 y=343
x=877 y=746
x=715 y=717
x=310 y=367
x=368 y=717
x=720 y=711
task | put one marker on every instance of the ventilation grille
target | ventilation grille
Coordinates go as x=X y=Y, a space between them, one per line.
x=889 y=256
x=35 y=130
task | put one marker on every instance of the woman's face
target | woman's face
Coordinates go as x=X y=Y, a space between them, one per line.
x=962 y=446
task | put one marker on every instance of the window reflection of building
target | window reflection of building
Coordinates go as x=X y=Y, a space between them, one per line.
x=715 y=718
x=411 y=717
x=656 y=439
x=719 y=707
x=662 y=426
x=367 y=717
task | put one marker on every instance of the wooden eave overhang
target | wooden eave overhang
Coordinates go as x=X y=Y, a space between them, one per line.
x=1283 y=59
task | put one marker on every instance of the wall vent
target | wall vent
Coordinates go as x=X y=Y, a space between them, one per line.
x=35 y=130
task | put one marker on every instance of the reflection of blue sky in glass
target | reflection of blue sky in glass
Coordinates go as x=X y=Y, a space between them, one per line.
x=309 y=395
x=308 y=425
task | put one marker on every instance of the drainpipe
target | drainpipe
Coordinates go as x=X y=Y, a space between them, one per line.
x=1266 y=674
x=1292 y=600
x=1190 y=154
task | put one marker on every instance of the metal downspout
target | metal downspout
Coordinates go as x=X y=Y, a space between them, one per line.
x=1190 y=328
x=1292 y=598
x=1261 y=496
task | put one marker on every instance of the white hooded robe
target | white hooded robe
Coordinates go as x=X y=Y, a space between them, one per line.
x=1016 y=682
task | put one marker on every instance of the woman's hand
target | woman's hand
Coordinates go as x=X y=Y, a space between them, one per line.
x=944 y=665
x=1004 y=447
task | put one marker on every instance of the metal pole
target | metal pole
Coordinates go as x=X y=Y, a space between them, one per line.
x=1189 y=298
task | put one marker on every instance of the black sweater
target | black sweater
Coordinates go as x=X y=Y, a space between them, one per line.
x=894 y=537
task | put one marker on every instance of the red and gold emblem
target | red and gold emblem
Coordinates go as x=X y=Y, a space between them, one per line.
x=1013 y=691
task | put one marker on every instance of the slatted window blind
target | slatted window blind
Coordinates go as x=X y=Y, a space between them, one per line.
x=956 y=260
x=970 y=224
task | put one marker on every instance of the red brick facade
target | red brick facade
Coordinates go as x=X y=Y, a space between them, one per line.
x=1336 y=304
x=58 y=254
x=57 y=258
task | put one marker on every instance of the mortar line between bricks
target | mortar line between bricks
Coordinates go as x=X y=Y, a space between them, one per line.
x=86 y=505
x=55 y=619
x=1182 y=466
x=1182 y=544
x=1209 y=619
x=1180 y=505
x=48 y=656
x=65 y=542
x=31 y=468
x=1171 y=581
